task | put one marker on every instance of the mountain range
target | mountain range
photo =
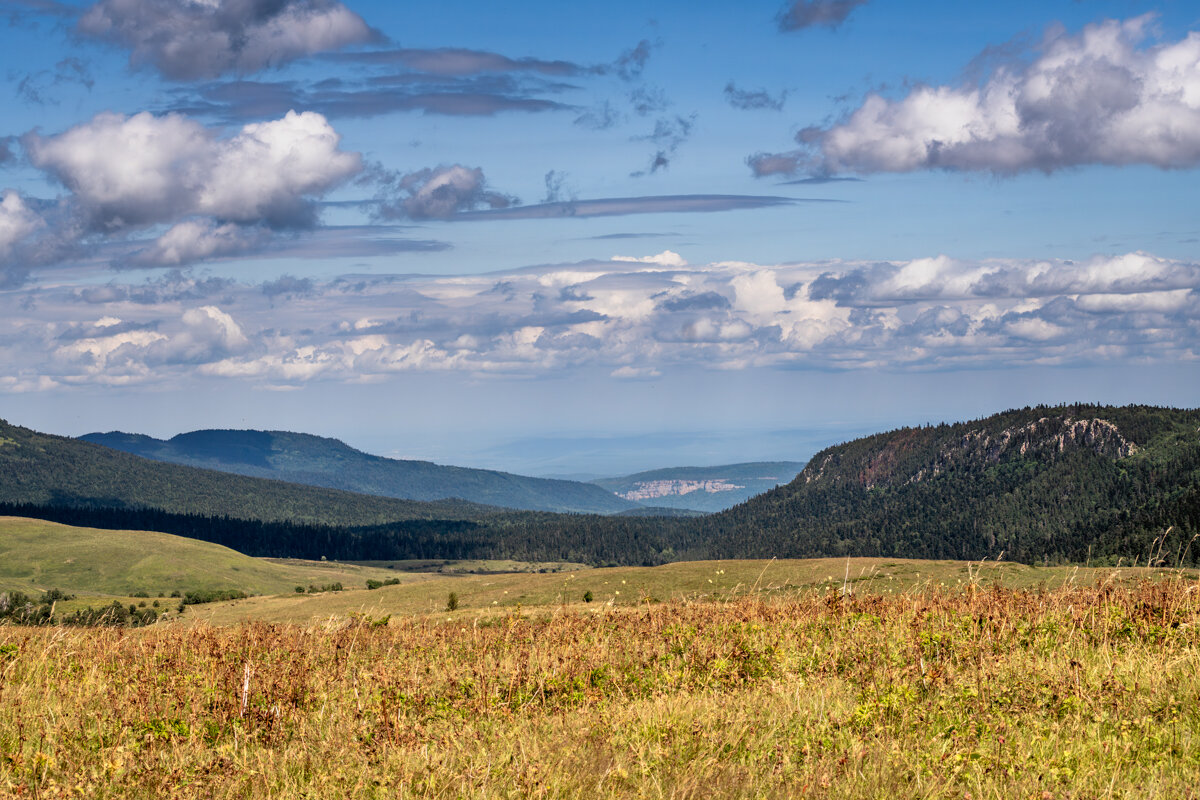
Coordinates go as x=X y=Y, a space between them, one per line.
x=1077 y=483
x=318 y=461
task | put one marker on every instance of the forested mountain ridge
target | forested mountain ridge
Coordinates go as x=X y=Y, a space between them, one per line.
x=913 y=454
x=43 y=469
x=319 y=461
x=1057 y=483
x=1069 y=483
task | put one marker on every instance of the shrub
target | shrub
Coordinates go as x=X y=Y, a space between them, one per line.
x=452 y=601
x=375 y=584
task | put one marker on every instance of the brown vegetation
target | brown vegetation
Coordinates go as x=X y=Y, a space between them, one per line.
x=971 y=692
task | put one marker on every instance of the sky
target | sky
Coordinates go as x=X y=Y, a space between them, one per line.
x=589 y=239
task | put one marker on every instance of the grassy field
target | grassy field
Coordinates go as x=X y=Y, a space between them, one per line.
x=102 y=565
x=490 y=594
x=832 y=678
x=1079 y=691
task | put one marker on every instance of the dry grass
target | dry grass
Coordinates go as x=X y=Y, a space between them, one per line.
x=971 y=691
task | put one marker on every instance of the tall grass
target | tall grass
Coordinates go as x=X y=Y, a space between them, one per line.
x=968 y=692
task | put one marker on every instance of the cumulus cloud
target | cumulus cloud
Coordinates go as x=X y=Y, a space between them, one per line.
x=17 y=221
x=1103 y=96
x=199 y=195
x=200 y=240
x=800 y=14
x=635 y=316
x=143 y=170
x=439 y=193
x=205 y=38
x=667 y=258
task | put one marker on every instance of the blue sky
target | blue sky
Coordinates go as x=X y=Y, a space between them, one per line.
x=567 y=239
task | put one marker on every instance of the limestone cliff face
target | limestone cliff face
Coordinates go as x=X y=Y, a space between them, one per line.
x=917 y=454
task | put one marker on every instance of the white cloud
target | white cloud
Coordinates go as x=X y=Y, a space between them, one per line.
x=17 y=221
x=142 y=170
x=632 y=319
x=667 y=258
x=190 y=39
x=1100 y=97
x=198 y=240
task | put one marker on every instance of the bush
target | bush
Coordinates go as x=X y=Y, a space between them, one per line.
x=588 y=596
x=374 y=584
x=197 y=596
x=452 y=602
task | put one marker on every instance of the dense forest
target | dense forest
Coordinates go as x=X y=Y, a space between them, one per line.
x=1073 y=483
x=1062 y=484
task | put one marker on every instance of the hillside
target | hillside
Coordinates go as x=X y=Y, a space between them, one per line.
x=36 y=556
x=1063 y=483
x=39 y=468
x=702 y=488
x=317 y=461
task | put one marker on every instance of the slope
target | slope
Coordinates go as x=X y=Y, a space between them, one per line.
x=37 y=556
x=319 y=461
x=40 y=468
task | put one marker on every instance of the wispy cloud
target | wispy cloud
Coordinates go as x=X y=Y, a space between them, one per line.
x=753 y=99
x=622 y=206
x=800 y=14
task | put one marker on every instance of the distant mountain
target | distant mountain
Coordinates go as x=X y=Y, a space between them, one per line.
x=318 y=461
x=702 y=488
x=41 y=469
x=1064 y=483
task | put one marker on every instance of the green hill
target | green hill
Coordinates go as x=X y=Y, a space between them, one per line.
x=36 y=556
x=702 y=488
x=318 y=461
x=1063 y=483
x=43 y=469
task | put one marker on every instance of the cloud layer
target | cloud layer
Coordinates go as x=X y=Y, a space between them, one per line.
x=631 y=316
x=196 y=39
x=1100 y=97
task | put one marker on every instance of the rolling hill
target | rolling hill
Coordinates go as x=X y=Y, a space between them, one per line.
x=318 y=461
x=702 y=488
x=39 y=468
x=36 y=556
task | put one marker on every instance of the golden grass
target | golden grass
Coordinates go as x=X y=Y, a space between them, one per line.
x=624 y=586
x=967 y=691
